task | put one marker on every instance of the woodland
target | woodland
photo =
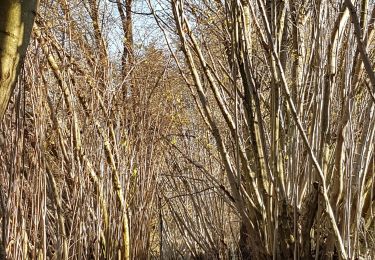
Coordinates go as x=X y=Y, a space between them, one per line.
x=187 y=129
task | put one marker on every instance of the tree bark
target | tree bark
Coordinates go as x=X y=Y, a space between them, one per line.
x=127 y=27
x=16 y=22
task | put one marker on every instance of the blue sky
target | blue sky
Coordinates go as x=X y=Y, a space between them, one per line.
x=145 y=29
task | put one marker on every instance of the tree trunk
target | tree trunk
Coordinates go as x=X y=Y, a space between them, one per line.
x=16 y=22
x=244 y=243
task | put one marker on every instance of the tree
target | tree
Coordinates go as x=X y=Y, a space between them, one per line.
x=288 y=108
x=16 y=23
x=246 y=132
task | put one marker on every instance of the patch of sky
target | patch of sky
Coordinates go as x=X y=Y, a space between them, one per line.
x=145 y=29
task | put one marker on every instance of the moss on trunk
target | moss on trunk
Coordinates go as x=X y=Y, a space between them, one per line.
x=16 y=22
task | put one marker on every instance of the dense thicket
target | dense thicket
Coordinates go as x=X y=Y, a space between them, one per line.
x=201 y=129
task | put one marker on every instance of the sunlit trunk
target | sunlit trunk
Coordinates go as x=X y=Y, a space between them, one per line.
x=16 y=22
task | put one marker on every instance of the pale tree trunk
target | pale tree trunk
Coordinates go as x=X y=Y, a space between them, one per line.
x=16 y=22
